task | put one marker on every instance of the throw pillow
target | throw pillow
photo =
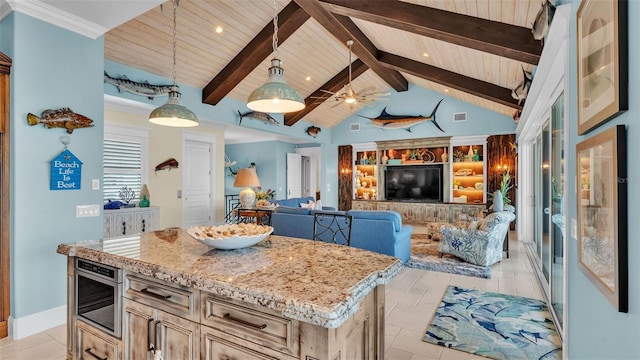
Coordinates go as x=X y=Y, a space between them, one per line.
x=309 y=205
x=318 y=205
x=498 y=203
x=473 y=225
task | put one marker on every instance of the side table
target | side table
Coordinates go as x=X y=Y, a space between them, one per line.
x=259 y=216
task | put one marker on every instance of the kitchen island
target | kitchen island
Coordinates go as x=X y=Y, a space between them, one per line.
x=283 y=298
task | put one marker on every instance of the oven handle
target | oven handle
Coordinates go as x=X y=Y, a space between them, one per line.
x=88 y=351
x=157 y=296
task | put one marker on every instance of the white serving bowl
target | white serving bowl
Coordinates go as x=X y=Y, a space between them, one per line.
x=231 y=242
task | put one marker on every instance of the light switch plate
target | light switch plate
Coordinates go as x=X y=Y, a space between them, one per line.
x=95 y=184
x=87 y=210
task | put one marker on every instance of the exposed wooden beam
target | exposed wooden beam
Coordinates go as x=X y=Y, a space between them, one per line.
x=343 y=29
x=334 y=85
x=453 y=80
x=258 y=49
x=510 y=41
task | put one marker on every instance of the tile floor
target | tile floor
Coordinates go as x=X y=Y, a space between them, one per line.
x=411 y=300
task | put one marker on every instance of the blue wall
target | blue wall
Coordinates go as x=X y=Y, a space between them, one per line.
x=52 y=68
x=595 y=329
x=421 y=101
x=270 y=158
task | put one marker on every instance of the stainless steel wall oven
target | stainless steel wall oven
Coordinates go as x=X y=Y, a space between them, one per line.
x=98 y=295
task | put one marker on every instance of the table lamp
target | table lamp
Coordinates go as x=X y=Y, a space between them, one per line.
x=247 y=178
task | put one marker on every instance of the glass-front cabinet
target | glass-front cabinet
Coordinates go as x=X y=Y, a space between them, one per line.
x=468 y=170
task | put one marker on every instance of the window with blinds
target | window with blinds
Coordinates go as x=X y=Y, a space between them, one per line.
x=122 y=167
x=124 y=159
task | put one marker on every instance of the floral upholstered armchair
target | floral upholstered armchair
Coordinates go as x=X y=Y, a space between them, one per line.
x=481 y=242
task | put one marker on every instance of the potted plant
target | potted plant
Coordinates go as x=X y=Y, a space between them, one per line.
x=505 y=186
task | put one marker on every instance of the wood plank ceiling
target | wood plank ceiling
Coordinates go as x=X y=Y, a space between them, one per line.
x=470 y=50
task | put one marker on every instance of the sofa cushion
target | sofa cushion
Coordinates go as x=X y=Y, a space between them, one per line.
x=387 y=215
x=292 y=210
x=293 y=202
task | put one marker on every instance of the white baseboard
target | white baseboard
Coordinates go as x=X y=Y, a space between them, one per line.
x=38 y=322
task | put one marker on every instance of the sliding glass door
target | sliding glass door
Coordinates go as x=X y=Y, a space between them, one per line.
x=549 y=211
x=557 y=209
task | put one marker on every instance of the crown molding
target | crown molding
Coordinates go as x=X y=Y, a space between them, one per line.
x=55 y=16
x=5 y=9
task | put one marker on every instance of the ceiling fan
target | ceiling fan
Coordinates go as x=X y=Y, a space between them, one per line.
x=348 y=96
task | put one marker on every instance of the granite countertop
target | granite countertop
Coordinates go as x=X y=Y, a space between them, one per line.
x=305 y=280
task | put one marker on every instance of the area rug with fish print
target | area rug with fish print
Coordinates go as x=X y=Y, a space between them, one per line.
x=425 y=256
x=493 y=325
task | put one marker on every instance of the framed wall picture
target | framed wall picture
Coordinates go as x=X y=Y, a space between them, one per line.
x=602 y=213
x=602 y=62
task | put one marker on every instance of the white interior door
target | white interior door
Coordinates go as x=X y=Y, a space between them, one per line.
x=197 y=184
x=294 y=175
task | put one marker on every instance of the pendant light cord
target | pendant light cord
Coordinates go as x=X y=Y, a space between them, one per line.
x=350 y=42
x=275 y=30
x=175 y=8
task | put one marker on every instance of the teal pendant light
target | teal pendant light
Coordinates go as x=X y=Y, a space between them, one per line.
x=173 y=113
x=275 y=96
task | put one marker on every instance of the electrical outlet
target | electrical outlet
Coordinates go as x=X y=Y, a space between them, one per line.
x=87 y=210
x=95 y=184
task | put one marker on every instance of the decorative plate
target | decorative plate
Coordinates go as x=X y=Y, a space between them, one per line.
x=230 y=237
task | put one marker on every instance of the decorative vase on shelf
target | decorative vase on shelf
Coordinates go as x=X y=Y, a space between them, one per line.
x=384 y=158
x=476 y=157
x=444 y=157
x=470 y=154
x=144 y=202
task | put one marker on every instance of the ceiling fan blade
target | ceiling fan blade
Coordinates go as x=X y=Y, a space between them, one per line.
x=336 y=105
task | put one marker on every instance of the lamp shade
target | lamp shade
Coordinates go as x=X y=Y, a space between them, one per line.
x=173 y=113
x=247 y=178
x=275 y=96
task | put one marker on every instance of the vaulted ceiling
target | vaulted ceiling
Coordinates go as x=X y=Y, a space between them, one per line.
x=471 y=50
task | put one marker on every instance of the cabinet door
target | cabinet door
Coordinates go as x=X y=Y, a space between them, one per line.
x=218 y=346
x=178 y=338
x=123 y=224
x=143 y=222
x=137 y=332
x=436 y=213
x=107 y=230
x=94 y=344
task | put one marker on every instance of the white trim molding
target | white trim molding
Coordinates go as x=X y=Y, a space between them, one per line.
x=32 y=324
x=53 y=15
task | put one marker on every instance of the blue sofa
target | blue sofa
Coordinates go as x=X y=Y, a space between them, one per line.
x=295 y=202
x=380 y=231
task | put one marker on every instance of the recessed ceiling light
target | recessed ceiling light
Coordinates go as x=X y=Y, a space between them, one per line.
x=308 y=78
x=425 y=54
x=218 y=29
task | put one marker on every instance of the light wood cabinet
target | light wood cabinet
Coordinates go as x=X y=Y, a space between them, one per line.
x=364 y=205
x=422 y=213
x=161 y=314
x=130 y=221
x=233 y=329
x=94 y=344
x=144 y=326
x=188 y=324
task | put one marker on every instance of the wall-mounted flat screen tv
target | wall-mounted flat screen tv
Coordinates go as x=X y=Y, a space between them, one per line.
x=414 y=182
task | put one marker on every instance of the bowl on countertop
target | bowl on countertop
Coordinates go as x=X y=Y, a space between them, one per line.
x=230 y=237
